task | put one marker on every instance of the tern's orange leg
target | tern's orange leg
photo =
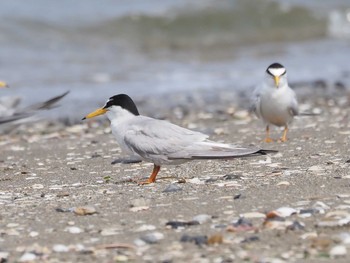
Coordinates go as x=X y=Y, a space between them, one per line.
x=268 y=139
x=153 y=176
x=284 y=136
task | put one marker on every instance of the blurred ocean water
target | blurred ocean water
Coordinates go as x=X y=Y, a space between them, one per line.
x=100 y=48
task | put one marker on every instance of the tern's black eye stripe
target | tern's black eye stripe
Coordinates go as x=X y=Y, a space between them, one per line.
x=109 y=103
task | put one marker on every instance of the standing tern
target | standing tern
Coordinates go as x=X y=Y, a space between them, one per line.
x=274 y=101
x=161 y=142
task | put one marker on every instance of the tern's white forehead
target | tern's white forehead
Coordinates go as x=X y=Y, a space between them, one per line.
x=276 y=71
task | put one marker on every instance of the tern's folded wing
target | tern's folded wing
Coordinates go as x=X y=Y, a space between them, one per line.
x=255 y=103
x=293 y=108
x=148 y=136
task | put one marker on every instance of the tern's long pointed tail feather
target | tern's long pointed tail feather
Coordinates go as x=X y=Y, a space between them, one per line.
x=230 y=154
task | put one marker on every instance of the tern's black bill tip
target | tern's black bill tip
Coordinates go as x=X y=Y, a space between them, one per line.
x=83 y=118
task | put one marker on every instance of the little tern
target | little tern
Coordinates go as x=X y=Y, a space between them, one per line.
x=274 y=101
x=161 y=142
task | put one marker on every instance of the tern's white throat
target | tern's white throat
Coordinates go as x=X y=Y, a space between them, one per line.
x=119 y=114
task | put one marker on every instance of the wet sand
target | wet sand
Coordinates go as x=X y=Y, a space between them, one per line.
x=63 y=200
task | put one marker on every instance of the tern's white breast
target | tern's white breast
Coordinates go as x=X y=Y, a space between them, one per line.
x=275 y=104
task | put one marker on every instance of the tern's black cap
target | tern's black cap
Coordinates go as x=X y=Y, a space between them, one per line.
x=275 y=65
x=123 y=101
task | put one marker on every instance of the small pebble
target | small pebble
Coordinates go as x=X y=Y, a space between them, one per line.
x=181 y=181
x=195 y=181
x=237 y=196
x=37 y=186
x=172 y=188
x=145 y=228
x=283 y=183
x=215 y=239
x=316 y=168
x=139 y=242
x=59 y=248
x=121 y=258
x=253 y=215
x=153 y=237
x=198 y=240
x=202 y=218
x=33 y=234
x=110 y=231
x=250 y=239
x=84 y=210
x=139 y=202
x=138 y=208
x=338 y=251
x=296 y=226
x=281 y=212
x=344 y=238
x=241 y=225
x=178 y=224
x=62 y=194
x=74 y=230
x=311 y=235
x=27 y=257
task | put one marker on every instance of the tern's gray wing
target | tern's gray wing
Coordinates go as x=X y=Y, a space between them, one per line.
x=255 y=102
x=46 y=105
x=293 y=108
x=30 y=110
x=150 y=137
x=7 y=119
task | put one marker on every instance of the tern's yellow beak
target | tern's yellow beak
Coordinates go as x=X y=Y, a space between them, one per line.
x=277 y=80
x=3 y=84
x=97 y=112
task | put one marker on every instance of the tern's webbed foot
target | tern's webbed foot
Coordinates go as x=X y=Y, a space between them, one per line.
x=282 y=140
x=152 y=178
x=146 y=182
x=284 y=136
x=268 y=140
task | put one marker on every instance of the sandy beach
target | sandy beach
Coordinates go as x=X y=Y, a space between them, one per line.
x=67 y=192
x=63 y=200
